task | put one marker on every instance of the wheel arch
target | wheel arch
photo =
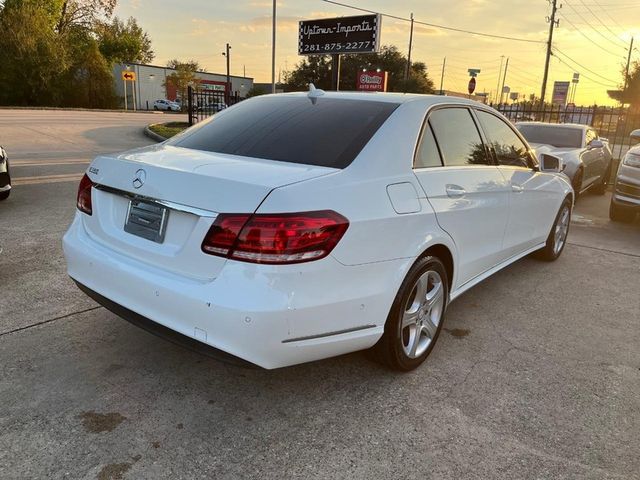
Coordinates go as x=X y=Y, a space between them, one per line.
x=445 y=255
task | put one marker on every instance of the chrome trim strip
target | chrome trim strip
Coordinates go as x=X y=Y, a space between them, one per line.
x=164 y=203
x=328 y=334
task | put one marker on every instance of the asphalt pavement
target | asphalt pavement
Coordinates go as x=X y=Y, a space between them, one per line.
x=537 y=374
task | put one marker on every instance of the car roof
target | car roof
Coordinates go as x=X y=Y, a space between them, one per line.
x=389 y=97
x=558 y=125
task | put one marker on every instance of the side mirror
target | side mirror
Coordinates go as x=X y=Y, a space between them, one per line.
x=635 y=135
x=550 y=163
x=596 y=143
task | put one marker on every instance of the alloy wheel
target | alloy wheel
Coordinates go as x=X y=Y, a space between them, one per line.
x=561 y=230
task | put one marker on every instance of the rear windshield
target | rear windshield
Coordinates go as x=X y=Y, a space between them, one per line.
x=327 y=132
x=560 y=137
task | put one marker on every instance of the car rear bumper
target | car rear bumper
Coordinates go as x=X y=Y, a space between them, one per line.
x=272 y=316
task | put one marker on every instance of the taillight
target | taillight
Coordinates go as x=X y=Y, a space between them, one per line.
x=84 y=195
x=275 y=238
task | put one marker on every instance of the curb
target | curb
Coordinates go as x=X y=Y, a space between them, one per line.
x=74 y=109
x=153 y=135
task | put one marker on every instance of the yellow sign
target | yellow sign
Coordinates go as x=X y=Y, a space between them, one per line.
x=128 y=76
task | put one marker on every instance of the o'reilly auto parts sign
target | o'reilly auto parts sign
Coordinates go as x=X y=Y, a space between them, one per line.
x=359 y=34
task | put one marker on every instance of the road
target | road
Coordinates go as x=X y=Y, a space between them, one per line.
x=536 y=376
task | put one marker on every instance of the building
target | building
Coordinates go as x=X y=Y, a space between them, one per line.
x=150 y=84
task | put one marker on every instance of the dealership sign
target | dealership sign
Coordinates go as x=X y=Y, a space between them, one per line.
x=560 y=92
x=359 y=34
x=372 y=81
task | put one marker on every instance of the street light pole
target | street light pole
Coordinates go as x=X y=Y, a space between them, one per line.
x=273 y=50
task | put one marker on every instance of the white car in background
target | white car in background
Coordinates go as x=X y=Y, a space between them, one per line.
x=586 y=157
x=296 y=227
x=167 y=105
x=625 y=201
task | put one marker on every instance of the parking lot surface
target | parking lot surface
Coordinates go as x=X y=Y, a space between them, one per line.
x=537 y=374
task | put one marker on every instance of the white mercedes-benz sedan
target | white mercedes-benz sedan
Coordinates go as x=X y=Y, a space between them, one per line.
x=295 y=227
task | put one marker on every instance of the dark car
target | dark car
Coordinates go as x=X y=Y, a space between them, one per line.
x=5 y=179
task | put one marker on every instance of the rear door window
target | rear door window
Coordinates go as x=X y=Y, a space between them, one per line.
x=458 y=137
x=327 y=132
x=509 y=149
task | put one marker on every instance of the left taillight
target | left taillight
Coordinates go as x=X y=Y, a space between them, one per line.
x=275 y=238
x=84 y=195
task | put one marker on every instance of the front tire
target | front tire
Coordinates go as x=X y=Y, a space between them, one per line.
x=621 y=214
x=557 y=238
x=416 y=317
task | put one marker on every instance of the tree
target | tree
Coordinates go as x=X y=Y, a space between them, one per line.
x=317 y=69
x=124 y=42
x=35 y=58
x=83 y=13
x=183 y=77
x=254 y=92
x=631 y=94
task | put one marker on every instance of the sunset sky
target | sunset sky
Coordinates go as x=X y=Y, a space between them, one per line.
x=592 y=39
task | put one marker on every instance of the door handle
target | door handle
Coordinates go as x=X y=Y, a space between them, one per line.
x=455 y=191
x=517 y=188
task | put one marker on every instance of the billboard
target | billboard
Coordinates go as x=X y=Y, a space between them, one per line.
x=326 y=36
x=372 y=81
x=560 y=92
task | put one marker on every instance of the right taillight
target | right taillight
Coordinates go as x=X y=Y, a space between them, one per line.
x=275 y=238
x=84 y=195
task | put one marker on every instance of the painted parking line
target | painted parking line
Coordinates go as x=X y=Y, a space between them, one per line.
x=71 y=177
x=35 y=163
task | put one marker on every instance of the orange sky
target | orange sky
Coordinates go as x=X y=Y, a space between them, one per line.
x=592 y=38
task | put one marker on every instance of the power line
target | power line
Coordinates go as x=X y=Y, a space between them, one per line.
x=606 y=11
x=589 y=38
x=600 y=21
x=568 y=58
x=443 y=27
x=592 y=27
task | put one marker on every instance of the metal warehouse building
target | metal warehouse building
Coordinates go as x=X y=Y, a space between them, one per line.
x=151 y=79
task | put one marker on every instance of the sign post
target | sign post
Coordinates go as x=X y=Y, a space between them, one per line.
x=333 y=36
x=128 y=76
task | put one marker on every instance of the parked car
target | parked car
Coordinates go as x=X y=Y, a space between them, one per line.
x=625 y=201
x=296 y=227
x=586 y=157
x=5 y=177
x=166 y=105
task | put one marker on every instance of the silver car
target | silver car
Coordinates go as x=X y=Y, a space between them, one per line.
x=586 y=156
x=625 y=201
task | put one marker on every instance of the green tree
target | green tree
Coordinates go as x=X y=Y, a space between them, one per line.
x=317 y=69
x=34 y=56
x=124 y=42
x=184 y=75
x=82 y=13
x=254 y=92
x=631 y=94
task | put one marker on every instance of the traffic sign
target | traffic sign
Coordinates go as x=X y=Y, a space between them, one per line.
x=472 y=85
x=128 y=76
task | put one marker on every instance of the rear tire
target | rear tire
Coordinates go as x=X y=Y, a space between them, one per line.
x=621 y=214
x=557 y=238
x=416 y=317
x=601 y=187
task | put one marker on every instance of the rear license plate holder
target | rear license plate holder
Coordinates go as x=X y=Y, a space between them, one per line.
x=147 y=220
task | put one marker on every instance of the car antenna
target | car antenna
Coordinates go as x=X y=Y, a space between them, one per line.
x=314 y=93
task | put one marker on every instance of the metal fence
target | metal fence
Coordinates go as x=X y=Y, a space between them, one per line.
x=204 y=103
x=613 y=123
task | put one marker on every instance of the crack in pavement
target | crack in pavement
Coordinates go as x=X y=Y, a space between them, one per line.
x=604 y=249
x=44 y=322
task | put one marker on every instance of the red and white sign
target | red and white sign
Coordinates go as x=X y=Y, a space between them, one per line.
x=472 y=85
x=372 y=81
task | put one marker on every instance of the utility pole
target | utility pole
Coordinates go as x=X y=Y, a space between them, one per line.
x=626 y=75
x=552 y=24
x=408 y=69
x=499 y=75
x=444 y=62
x=504 y=78
x=228 y=86
x=273 y=49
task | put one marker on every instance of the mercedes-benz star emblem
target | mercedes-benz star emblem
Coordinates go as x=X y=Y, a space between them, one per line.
x=139 y=179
